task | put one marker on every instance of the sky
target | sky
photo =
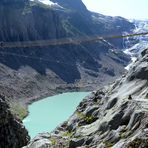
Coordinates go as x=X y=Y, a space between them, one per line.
x=131 y=9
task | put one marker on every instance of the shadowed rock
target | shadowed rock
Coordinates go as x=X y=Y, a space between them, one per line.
x=12 y=132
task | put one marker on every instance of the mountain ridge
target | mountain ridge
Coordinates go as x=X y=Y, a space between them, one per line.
x=27 y=21
x=115 y=116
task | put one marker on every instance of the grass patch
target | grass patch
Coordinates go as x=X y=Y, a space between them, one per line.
x=123 y=135
x=19 y=110
x=108 y=144
x=53 y=141
x=143 y=143
x=68 y=134
x=86 y=118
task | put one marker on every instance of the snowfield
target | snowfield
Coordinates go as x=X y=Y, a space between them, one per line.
x=133 y=46
x=47 y=2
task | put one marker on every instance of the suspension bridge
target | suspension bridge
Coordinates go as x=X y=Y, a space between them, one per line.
x=64 y=41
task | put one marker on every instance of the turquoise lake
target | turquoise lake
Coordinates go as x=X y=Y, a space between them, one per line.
x=45 y=115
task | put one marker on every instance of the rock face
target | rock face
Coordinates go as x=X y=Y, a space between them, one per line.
x=34 y=72
x=12 y=132
x=115 y=116
x=140 y=71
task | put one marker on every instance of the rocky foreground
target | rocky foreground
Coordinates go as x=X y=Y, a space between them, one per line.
x=115 y=116
x=12 y=132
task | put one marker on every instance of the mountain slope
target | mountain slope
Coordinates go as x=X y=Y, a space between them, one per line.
x=115 y=116
x=31 y=73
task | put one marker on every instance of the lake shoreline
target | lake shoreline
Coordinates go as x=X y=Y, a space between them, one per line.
x=50 y=94
x=64 y=103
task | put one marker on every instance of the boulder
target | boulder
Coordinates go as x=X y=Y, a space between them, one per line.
x=89 y=111
x=76 y=142
x=136 y=117
x=111 y=103
x=115 y=122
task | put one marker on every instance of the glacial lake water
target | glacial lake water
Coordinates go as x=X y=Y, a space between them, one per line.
x=45 y=115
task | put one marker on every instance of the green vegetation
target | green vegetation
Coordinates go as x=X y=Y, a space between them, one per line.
x=68 y=134
x=108 y=144
x=53 y=141
x=86 y=118
x=123 y=135
x=138 y=143
x=19 y=111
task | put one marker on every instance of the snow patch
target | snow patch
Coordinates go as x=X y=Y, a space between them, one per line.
x=133 y=59
x=134 y=45
x=48 y=2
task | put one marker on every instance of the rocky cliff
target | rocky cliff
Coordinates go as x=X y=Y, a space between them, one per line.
x=12 y=132
x=30 y=73
x=115 y=116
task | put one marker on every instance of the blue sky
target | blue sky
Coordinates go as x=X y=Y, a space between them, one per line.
x=132 y=9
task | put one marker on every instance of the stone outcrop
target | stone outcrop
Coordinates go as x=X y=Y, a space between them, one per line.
x=140 y=71
x=115 y=116
x=12 y=133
